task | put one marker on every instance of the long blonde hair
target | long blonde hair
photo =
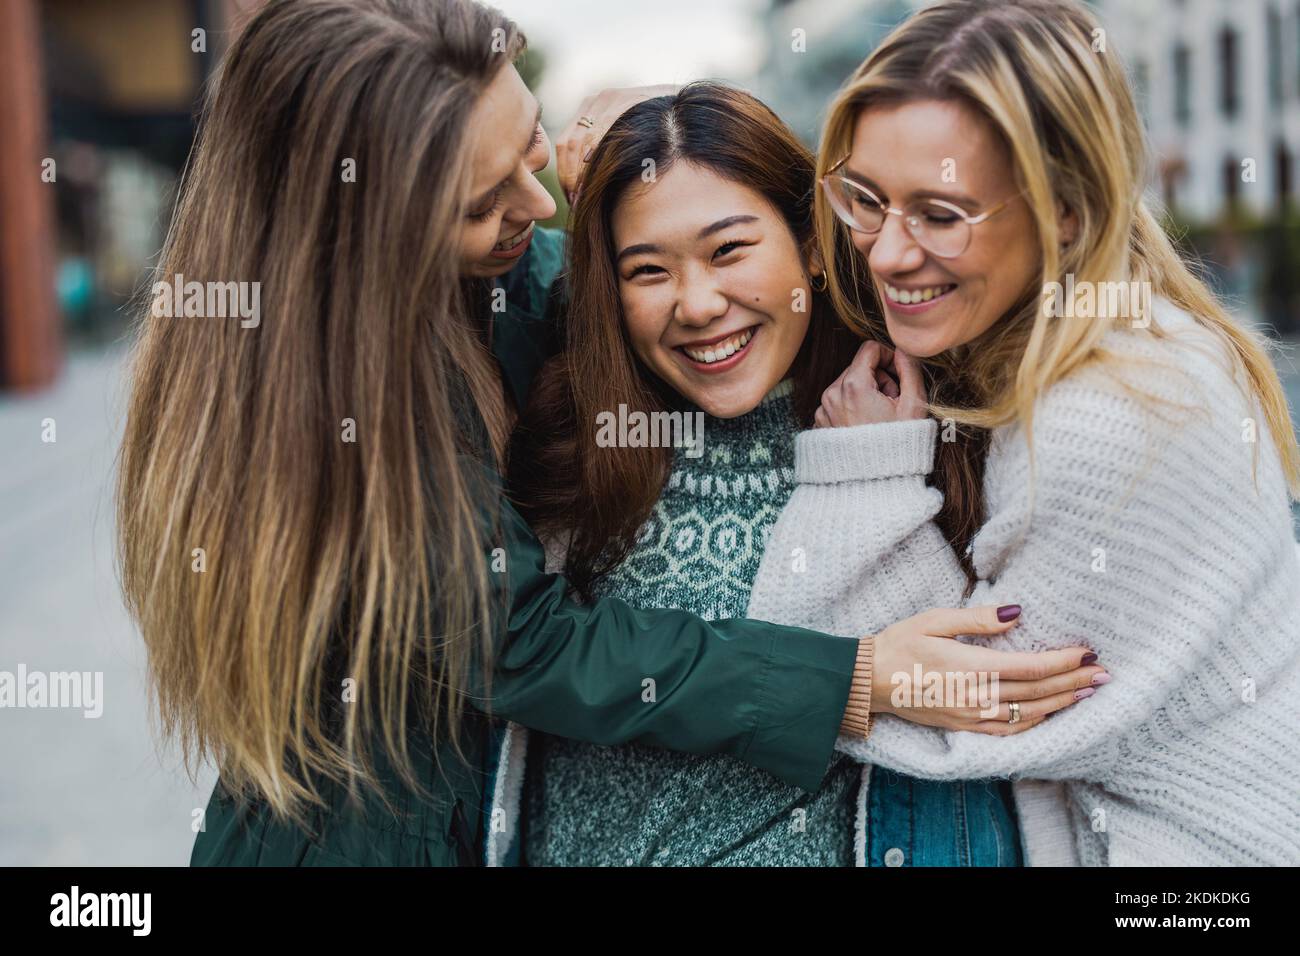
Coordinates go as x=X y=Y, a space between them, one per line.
x=294 y=510
x=1067 y=115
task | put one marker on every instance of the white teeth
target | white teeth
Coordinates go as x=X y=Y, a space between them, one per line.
x=913 y=296
x=720 y=350
x=509 y=244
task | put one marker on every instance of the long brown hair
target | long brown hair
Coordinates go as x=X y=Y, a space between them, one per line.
x=601 y=497
x=1067 y=116
x=279 y=529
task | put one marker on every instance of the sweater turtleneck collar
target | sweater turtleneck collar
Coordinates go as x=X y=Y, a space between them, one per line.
x=761 y=438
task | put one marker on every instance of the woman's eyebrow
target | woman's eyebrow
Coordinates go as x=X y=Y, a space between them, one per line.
x=960 y=199
x=635 y=250
x=723 y=224
x=704 y=233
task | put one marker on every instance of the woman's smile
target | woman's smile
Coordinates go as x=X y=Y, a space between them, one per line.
x=718 y=354
x=915 y=299
x=516 y=245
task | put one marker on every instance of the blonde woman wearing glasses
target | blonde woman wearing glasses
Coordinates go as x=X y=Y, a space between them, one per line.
x=1125 y=471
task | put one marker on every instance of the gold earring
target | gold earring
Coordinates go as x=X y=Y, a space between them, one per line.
x=812 y=281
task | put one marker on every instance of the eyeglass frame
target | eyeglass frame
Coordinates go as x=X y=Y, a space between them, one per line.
x=902 y=213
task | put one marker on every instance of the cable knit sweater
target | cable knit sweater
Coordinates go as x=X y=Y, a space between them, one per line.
x=1158 y=535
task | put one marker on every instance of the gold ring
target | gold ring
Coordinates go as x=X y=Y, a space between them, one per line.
x=1014 y=707
x=586 y=121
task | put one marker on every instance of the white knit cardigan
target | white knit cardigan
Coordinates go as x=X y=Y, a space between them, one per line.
x=1159 y=536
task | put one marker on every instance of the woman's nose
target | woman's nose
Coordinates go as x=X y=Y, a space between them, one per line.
x=537 y=203
x=699 y=301
x=894 y=249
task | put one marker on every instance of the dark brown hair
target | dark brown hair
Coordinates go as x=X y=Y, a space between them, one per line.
x=561 y=480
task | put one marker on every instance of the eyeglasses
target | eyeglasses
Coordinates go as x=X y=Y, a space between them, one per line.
x=939 y=227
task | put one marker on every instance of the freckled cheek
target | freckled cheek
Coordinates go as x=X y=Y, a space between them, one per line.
x=766 y=288
x=646 y=323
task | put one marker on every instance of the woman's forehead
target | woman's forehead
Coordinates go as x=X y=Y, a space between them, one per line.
x=686 y=198
x=925 y=144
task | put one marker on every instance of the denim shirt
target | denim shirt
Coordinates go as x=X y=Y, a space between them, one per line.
x=913 y=822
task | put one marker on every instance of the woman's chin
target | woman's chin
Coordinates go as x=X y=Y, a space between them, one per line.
x=918 y=342
x=726 y=399
x=724 y=405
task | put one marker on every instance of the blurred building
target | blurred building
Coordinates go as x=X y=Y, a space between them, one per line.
x=1218 y=82
x=1219 y=85
x=98 y=100
x=812 y=48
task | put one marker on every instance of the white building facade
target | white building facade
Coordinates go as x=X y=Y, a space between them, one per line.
x=1218 y=83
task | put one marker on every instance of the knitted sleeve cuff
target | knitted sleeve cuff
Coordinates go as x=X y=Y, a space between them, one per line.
x=857 y=713
x=863 y=452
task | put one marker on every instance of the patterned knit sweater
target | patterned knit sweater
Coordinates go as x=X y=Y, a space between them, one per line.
x=1158 y=534
x=637 y=805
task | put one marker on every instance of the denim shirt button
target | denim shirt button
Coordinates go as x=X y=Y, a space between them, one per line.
x=893 y=857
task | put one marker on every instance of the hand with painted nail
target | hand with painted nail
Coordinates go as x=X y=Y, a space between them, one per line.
x=1001 y=692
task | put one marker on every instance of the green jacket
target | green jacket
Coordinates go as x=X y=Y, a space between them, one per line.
x=772 y=696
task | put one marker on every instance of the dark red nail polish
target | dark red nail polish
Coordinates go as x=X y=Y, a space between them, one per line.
x=1008 y=612
x=1088 y=659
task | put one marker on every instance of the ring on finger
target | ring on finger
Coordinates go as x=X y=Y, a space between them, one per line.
x=586 y=121
x=1015 y=712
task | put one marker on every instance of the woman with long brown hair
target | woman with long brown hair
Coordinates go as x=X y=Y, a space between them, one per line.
x=695 y=292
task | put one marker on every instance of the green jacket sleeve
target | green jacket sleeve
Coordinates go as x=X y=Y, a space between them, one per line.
x=771 y=696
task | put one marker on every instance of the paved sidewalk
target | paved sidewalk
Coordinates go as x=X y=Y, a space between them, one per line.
x=73 y=790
